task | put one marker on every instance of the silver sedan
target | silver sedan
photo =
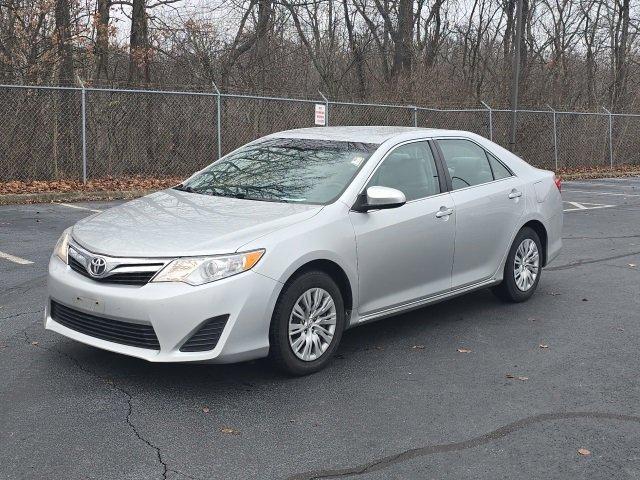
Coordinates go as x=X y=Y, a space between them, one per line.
x=278 y=247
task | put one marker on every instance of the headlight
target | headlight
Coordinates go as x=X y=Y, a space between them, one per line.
x=200 y=270
x=62 y=247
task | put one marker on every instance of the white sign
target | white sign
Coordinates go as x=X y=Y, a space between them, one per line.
x=321 y=114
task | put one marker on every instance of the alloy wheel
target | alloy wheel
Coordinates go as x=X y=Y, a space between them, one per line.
x=526 y=264
x=312 y=324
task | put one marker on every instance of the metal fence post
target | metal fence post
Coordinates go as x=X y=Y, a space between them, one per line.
x=610 y=137
x=326 y=107
x=218 y=116
x=555 y=138
x=490 y=119
x=415 y=116
x=84 y=130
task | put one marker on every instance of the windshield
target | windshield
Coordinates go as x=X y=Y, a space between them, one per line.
x=283 y=170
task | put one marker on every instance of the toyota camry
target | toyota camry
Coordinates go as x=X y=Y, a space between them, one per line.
x=279 y=246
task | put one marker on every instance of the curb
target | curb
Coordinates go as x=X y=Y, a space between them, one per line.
x=596 y=175
x=75 y=196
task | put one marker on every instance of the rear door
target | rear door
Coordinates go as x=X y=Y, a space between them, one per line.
x=489 y=202
x=405 y=253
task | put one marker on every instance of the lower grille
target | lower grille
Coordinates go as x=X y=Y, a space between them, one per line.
x=125 y=333
x=127 y=278
x=207 y=336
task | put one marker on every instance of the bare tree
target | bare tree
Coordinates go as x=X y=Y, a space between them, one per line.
x=101 y=48
x=619 y=35
x=62 y=36
x=139 y=47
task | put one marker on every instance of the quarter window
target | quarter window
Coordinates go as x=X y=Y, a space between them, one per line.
x=466 y=162
x=411 y=169
x=499 y=170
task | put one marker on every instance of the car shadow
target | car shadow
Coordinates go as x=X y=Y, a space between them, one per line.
x=431 y=321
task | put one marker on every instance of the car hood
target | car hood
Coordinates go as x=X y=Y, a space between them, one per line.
x=172 y=223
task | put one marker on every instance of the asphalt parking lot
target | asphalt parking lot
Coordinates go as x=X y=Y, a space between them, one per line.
x=400 y=401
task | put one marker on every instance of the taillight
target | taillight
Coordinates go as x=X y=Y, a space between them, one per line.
x=558 y=182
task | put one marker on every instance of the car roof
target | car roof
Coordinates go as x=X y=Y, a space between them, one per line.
x=362 y=134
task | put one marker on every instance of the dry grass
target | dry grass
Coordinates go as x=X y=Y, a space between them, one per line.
x=140 y=183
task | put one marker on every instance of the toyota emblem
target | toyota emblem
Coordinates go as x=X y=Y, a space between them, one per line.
x=97 y=266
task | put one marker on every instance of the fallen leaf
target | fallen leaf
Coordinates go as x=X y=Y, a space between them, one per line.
x=584 y=452
x=418 y=347
x=510 y=375
x=35 y=344
x=229 y=431
x=542 y=345
x=632 y=264
x=554 y=294
x=464 y=350
x=205 y=409
x=585 y=300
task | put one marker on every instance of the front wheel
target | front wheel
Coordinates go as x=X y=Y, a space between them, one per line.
x=307 y=324
x=522 y=269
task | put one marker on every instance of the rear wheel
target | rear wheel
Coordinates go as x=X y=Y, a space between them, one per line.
x=522 y=269
x=307 y=324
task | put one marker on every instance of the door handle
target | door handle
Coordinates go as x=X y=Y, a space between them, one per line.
x=515 y=193
x=444 y=212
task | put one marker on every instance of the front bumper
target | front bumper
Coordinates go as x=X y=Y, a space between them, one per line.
x=174 y=310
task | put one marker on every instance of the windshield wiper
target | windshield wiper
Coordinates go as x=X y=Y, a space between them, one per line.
x=244 y=196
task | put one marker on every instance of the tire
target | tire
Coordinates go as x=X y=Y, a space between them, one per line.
x=319 y=286
x=510 y=289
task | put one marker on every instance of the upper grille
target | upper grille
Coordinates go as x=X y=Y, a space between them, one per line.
x=207 y=336
x=124 y=278
x=126 y=333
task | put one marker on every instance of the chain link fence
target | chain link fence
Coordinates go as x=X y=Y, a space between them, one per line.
x=77 y=133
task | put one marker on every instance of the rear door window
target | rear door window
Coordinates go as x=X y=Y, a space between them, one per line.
x=467 y=163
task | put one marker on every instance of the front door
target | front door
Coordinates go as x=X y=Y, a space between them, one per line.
x=405 y=253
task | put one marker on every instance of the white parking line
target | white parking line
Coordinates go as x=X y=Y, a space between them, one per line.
x=590 y=184
x=584 y=206
x=14 y=259
x=601 y=193
x=79 y=207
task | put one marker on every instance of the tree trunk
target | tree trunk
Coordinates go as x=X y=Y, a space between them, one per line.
x=64 y=120
x=432 y=45
x=403 y=41
x=63 y=39
x=139 y=44
x=356 y=52
x=620 y=43
x=101 y=49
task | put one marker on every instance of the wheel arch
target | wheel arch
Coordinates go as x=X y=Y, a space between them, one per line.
x=337 y=274
x=538 y=227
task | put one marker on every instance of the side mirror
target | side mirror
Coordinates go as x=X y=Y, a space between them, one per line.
x=377 y=198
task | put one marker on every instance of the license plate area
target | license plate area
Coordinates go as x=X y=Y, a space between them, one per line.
x=89 y=304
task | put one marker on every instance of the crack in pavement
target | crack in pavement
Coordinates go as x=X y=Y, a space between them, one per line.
x=27 y=285
x=499 y=433
x=23 y=313
x=587 y=262
x=118 y=388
